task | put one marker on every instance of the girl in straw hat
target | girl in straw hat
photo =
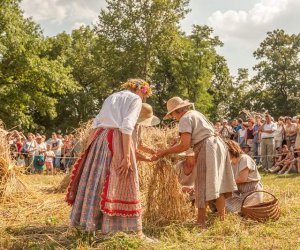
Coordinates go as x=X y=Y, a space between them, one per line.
x=215 y=179
x=104 y=187
x=146 y=119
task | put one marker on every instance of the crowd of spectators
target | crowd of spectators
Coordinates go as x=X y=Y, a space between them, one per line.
x=275 y=145
x=37 y=153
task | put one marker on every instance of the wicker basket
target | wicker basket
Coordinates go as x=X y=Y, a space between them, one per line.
x=263 y=211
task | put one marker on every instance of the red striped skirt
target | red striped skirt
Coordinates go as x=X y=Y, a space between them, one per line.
x=100 y=199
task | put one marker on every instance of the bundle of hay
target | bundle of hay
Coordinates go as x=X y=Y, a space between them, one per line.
x=164 y=200
x=9 y=183
x=82 y=135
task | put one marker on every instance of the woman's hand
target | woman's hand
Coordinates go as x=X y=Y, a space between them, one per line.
x=161 y=154
x=124 y=167
x=189 y=190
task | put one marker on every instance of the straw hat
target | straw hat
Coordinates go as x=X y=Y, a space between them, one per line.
x=189 y=152
x=146 y=117
x=176 y=103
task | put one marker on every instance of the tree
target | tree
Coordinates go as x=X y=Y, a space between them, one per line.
x=29 y=81
x=84 y=53
x=221 y=89
x=278 y=73
x=187 y=69
x=137 y=30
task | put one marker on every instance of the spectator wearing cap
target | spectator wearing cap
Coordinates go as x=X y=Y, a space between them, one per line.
x=267 y=142
x=256 y=139
x=226 y=130
x=39 y=154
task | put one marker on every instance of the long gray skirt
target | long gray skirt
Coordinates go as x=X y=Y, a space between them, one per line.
x=214 y=172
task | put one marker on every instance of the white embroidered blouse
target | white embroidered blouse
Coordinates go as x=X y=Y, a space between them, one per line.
x=120 y=110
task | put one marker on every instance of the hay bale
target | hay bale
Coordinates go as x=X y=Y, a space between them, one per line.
x=165 y=202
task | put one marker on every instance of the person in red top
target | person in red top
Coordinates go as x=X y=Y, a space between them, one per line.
x=19 y=143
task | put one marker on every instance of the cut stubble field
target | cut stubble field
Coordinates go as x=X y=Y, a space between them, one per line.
x=39 y=219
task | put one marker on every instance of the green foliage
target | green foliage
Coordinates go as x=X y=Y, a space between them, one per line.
x=29 y=82
x=57 y=82
x=278 y=74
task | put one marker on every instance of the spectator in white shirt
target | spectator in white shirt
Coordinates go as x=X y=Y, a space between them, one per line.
x=56 y=145
x=267 y=142
x=279 y=133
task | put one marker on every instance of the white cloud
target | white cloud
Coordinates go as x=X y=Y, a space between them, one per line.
x=59 y=11
x=77 y=25
x=242 y=31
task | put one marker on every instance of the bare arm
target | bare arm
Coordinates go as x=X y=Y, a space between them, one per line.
x=242 y=177
x=184 y=144
x=145 y=148
x=141 y=157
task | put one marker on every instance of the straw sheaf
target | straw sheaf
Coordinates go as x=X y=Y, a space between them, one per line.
x=164 y=201
x=9 y=182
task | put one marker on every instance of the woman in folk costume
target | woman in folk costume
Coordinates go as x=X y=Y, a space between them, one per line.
x=247 y=179
x=146 y=119
x=104 y=189
x=214 y=178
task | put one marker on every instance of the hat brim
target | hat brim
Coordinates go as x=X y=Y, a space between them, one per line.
x=184 y=104
x=149 y=122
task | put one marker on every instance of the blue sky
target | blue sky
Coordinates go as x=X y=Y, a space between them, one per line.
x=240 y=24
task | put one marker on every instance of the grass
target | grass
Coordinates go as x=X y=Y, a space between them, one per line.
x=38 y=219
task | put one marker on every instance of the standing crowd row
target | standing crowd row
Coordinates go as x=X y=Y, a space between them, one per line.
x=275 y=145
x=36 y=153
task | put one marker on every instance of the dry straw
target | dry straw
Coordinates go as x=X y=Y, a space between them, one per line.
x=164 y=201
x=9 y=183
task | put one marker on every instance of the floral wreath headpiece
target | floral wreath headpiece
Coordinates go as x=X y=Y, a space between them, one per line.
x=138 y=84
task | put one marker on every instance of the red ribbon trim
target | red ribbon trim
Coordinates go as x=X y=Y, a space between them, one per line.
x=77 y=167
x=104 y=199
